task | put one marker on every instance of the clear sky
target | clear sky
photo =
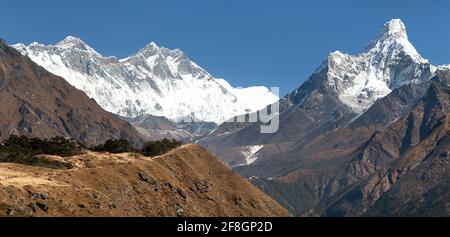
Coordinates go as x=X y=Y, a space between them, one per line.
x=247 y=42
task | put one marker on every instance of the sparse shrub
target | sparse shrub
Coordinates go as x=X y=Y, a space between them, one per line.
x=114 y=146
x=151 y=148
x=24 y=150
x=156 y=148
x=29 y=151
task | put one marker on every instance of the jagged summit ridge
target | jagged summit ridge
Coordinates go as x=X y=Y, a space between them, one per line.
x=155 y=80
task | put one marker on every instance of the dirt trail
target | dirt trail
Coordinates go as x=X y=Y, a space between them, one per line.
x=10 y=174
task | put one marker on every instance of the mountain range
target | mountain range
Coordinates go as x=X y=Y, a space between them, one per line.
x=155 y=80
x=350 y=133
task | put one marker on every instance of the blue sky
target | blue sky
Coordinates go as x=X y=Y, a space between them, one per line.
x=251 y=42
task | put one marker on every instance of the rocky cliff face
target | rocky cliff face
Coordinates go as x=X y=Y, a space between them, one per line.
x=351 y=170
x=405 y=164
x=36 y=103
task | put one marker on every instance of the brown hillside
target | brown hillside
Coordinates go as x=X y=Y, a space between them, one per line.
x=187 y=181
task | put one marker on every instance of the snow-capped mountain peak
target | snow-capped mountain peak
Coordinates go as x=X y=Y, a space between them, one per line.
x=150 y=49
x=392 y=39
x=393 y=28
x=389 y=61
x=155 y=80
x=71 y=42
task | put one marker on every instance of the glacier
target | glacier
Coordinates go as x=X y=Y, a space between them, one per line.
x=251 y=153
